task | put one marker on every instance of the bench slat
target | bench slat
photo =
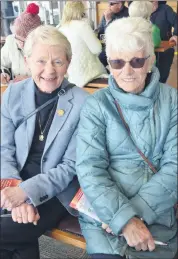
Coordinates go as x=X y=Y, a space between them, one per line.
x=67 y=238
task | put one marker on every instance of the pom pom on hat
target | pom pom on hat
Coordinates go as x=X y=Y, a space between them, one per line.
x=32 y=8
x=27 y=21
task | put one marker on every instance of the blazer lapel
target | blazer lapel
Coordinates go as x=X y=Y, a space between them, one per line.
x=64 y=107
x=28 y=104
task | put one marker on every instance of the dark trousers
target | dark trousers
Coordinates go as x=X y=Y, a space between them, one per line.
x=164 y=61
x=106 y=256
x=20 y=241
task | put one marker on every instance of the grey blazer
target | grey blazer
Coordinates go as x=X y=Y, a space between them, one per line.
x=57 y=176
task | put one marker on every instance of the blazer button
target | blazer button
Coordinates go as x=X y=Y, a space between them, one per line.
x=44 y=159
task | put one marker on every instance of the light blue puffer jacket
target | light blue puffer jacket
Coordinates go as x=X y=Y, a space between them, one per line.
x=113 y=176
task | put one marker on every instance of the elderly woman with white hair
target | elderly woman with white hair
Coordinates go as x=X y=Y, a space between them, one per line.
x=39 y=119
x=127 y=152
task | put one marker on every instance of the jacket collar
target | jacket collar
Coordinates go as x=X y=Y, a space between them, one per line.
x=133 y=101
x=28 y=106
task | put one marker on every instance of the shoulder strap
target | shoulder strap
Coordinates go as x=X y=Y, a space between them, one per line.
x=129 y=133
x=63 y=91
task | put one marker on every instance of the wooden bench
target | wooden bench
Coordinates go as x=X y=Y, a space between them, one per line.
x=68 y=231
x=96 y=84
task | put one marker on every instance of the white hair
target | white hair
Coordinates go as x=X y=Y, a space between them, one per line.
x=129 y=34
x=141 y=9
x=49 y=35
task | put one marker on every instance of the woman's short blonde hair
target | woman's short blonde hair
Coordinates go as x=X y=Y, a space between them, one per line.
x=49 y=35
x=141 y=9
x=73 y=10
x=129 y=34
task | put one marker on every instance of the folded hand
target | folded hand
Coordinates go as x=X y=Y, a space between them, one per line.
x=137 y=235
x=12 y=197
x=25 y=213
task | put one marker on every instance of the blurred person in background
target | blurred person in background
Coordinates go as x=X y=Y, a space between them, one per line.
x=144 y=9
x=85 y=64
x=166 y=19
x=12 y=56
x=116 y=10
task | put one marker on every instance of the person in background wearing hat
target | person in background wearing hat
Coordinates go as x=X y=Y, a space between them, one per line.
x=12 y=56
x=165 y=18
x=116 y=10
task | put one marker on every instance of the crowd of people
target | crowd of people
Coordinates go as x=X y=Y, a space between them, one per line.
x=119 y=144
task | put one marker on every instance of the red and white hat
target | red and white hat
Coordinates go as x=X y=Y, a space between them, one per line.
x=27 y=21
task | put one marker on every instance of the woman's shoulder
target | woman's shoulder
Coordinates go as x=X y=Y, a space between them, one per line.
x=15 y=88
x=99 y=100
x=168 y=94
x=79 y=93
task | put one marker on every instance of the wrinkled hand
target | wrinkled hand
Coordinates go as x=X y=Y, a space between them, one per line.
x=12 y=197
x=19 y=78
x=174 y=38
x=137 y=235
x=25 y=213
x=108 y=15
x=5 y=78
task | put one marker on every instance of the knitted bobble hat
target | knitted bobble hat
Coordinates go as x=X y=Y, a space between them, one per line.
x=27 y=21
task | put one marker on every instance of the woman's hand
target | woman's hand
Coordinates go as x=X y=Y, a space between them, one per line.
x=174 y=38
x=108 y=15
x=25 y=213
x=12 y=197
x=5 y=78
x=137 y=235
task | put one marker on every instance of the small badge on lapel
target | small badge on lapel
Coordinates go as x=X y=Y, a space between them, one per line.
x=60 y=112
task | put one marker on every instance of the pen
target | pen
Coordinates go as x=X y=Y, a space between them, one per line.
x=160 y=243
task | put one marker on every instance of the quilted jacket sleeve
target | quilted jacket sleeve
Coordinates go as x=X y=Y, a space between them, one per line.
x=111 y=206
x=160 y=193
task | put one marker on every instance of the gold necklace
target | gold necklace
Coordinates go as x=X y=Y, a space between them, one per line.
x=41 y=136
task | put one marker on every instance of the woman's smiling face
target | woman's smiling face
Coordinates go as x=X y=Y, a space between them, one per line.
x=48 y=65
x=130 y=79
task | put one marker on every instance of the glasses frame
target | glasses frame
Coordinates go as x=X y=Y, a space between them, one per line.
x=115 y=60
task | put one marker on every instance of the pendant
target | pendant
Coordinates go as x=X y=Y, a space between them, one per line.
x=41 y=137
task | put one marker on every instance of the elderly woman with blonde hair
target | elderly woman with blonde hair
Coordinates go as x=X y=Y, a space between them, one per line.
x=127 y=152
x=39 y=119
x=144 y=9
x=85 y=65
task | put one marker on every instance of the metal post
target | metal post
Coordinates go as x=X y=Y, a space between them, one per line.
x=7 y=15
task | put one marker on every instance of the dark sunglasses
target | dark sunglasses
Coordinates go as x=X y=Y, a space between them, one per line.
x=134 y=63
